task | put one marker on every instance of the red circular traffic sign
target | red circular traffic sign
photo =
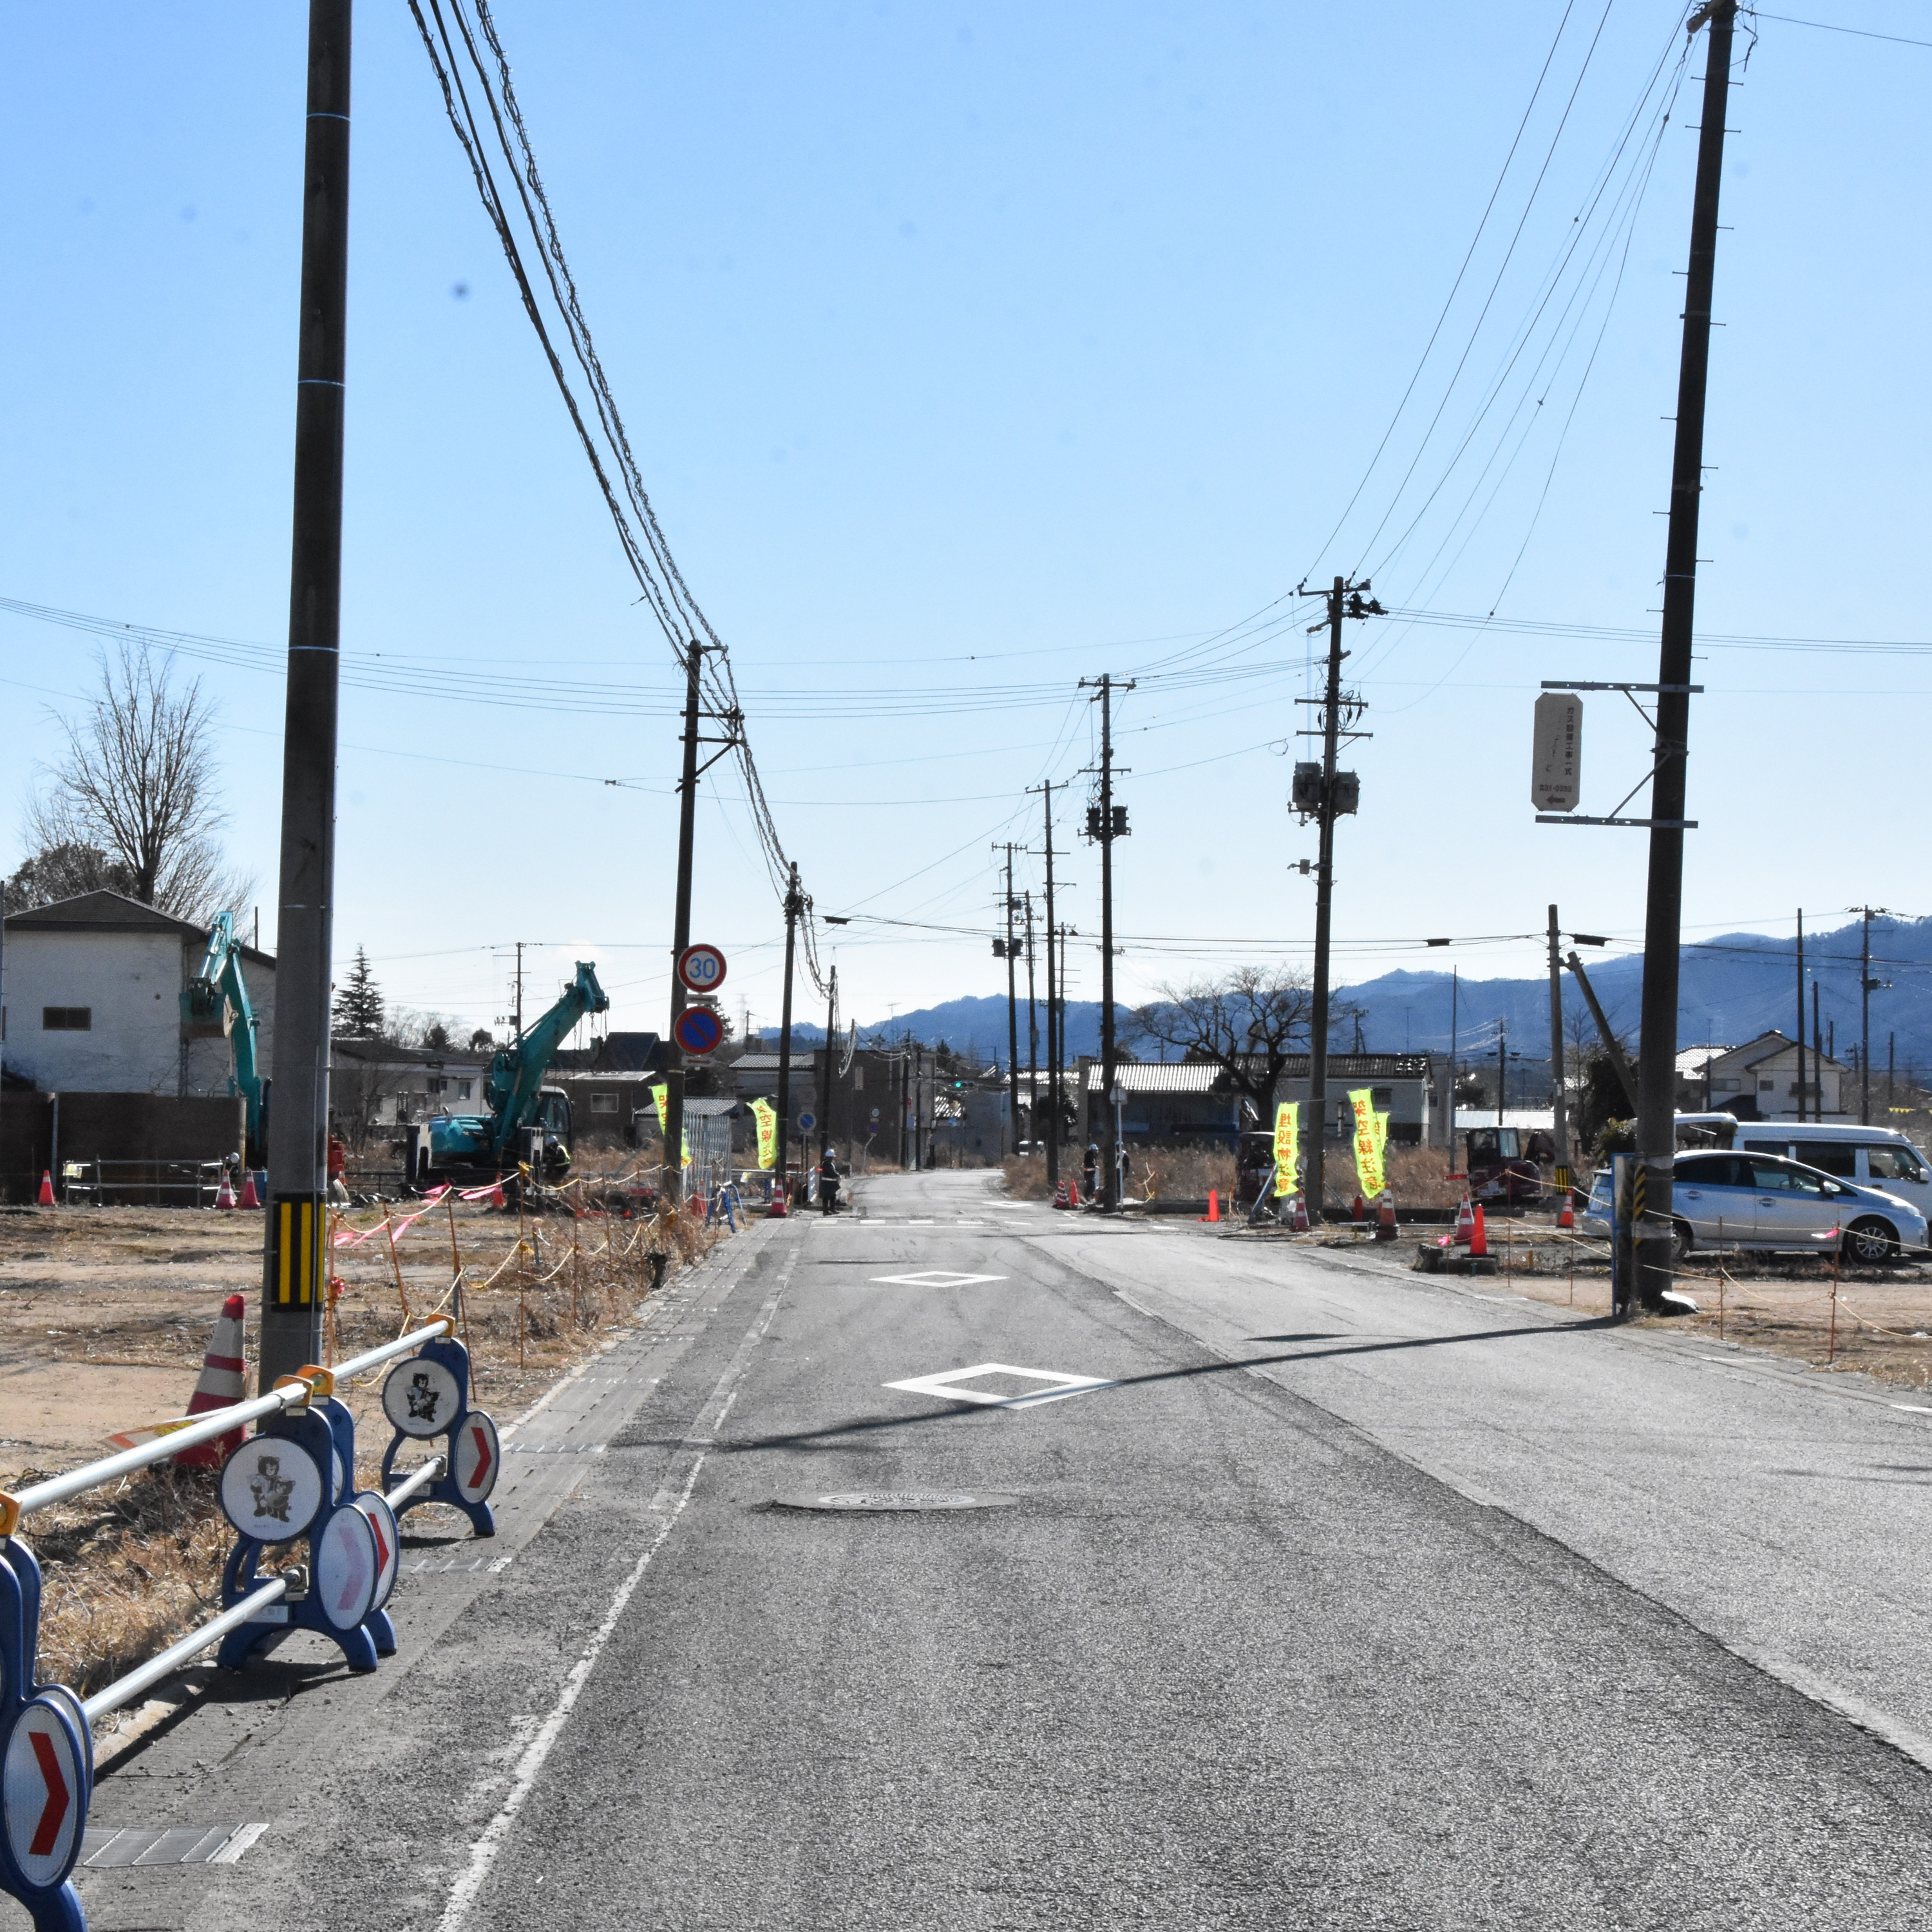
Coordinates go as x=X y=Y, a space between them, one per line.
x=699 y=1031
x=701 y=969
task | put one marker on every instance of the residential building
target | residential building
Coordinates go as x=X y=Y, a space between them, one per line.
x=375 y=1084
x=1193 y=1099
x=1759 y=1082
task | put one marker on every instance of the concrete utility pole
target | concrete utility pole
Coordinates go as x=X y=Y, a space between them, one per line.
x=519 y=1007
x=1562 y=1122
x=1106 y=822
x=1326 y=804
x=1012 y=1014
x=1800 y=1013
x=1032 y=1036
x=1867 y=985
x=1657 y=1083
x=295 y=1271
x=794 y=905
x=1053 y=1043
x=672 y=1177
x=825 y=1071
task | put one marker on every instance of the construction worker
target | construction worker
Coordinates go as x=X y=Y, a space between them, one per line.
x=338 y=1162
x=828 y=1181
x=1089 y=1169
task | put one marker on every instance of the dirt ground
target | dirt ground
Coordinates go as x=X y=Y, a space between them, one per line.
x=1878 y=1321
x=105 y=1314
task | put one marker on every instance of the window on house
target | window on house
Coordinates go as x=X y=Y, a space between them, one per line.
x=463 y=1090
x=438 y=1086
x=603 y=1103
x=1382 y=1099
x=66 y=1019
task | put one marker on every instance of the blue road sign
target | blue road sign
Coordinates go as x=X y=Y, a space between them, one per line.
x=699 y=1031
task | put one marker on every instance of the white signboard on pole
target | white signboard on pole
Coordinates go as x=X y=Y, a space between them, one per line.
x=1556 y=770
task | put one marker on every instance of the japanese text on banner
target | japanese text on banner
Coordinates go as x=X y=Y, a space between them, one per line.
x=1368 y=1142
x=662 y=1095
x=766 y=1116
x=1287 y=1146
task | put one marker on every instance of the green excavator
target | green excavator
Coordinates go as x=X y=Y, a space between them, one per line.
x=218 y=996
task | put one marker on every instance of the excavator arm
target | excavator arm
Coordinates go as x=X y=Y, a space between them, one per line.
x=218 y=994
x=516 y=1074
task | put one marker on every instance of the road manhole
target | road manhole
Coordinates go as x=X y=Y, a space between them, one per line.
x=895 y=1499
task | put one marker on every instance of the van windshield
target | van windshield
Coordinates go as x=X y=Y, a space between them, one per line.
x=1894 y=1163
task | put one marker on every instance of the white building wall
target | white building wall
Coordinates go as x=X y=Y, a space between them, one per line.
x=131 y=981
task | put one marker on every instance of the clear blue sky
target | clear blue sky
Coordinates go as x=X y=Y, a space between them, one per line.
x=967 y=351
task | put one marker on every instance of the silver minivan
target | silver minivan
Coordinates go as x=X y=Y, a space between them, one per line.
x=1868 y=1156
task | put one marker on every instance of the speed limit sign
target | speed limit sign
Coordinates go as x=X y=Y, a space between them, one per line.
x=701 y=969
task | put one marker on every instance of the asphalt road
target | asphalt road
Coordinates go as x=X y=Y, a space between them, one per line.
x=1347 y=1600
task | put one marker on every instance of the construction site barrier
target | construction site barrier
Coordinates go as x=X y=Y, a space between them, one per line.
x=294 y=1478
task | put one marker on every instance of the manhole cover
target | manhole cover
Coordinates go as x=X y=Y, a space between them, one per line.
x=895 y=1499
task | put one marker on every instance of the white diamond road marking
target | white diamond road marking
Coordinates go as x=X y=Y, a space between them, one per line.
x=951 y=1387
x=936 y=1278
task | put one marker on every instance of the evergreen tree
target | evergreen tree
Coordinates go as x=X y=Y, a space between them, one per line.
x=358 y=1013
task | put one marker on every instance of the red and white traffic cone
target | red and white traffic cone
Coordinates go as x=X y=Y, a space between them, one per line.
x=496 y=1199
x=46 y=1196
x=220 y=1387
x=250 y=1198
x=1479 y=1240
x=1566 y=1215
x=224 y=1195
x=1385 y=1217
x=1465 y=1223
x=1298 y=1214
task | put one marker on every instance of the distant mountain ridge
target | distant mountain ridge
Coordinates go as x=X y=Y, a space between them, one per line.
x=1733 y=989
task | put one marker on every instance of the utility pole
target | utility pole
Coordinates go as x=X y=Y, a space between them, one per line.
x=1053 y=1043
x=295 y=1271
x=905 y=1102
x=1657 y=1085
x=1502 y=1066
x=1106 y=822
x=1818 y=1052
x=1561 y=1120
x=794 y=905
x=520 y=990
x=1455 y=1016
x=1032 y=1036
x=672 y=1177
x=1867 y=985
x=1801 y=1014
x=825 y=1071
x=1012 y=1013
x=1612 y=1046
x=1317 y=794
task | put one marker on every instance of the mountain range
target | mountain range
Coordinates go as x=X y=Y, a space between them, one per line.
x=1733 y=989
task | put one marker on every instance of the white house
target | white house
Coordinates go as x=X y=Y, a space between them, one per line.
x=1758 y=1081
x=90 y=1001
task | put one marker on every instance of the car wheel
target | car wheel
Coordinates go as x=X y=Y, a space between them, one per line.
x=1680 y=1242
x=1872 y=1242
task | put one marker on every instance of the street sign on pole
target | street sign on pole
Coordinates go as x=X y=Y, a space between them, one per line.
x=700 y=1030
x=1556 y=766
x=807 y=1121
x=701 y=969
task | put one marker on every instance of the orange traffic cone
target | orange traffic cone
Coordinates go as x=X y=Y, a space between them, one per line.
x=224 y=1195
x=1361 y=1206
x=219 y=1386
x=1213 y=1203
x=1566 y=1215
x=1479 y=1243
x=1385 y=1217
x=496 y=1194
x=1465 y=1223
x=1298 y=1214
x=46 y=1194
x=1073 y=1194
x=250 y=1198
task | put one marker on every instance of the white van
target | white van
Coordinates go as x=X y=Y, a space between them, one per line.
x=1872 y=1156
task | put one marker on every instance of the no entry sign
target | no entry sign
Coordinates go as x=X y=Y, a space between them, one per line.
x=699 y=1031
x=477 y=1456
x=701 y=969
x=45 y=1793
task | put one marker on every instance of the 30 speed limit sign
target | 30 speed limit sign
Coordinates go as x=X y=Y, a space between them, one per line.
x=701 y=969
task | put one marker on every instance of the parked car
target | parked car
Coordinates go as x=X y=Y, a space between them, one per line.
x=1595 y=1217
x=1877 y=1157
x=1767 y=1202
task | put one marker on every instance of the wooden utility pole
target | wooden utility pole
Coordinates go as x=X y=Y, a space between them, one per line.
x=295 y=1271
x=1657 y=1083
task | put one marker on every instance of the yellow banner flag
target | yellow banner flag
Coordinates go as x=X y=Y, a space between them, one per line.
x=1287 y=1146
x=662 y=1095
x=1368 y=1143
x=766 y=1116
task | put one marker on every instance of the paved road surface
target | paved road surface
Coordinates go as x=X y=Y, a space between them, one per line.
x=1349 y=1600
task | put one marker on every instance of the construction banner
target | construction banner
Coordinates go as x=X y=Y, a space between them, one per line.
x=1287 y=1146
x=766 y=1116
x=1368 y=1143
x=662 y=1095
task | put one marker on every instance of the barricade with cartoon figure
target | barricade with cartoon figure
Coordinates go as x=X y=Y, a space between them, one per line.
x=427 y=1398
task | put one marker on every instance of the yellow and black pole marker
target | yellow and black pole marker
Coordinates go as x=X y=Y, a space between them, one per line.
x=293 y=1277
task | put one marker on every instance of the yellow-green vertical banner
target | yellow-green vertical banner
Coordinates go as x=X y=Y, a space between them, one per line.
x=662 y=1095
x=1287 y=1146
x=766 y=1116
x=1368 y=1143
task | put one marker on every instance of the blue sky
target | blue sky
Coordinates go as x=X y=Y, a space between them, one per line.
x=967 y=351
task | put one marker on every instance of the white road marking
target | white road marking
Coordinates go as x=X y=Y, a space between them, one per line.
x=936 y=1278
x=484 y=1850
x=230 y=1853
x=1911 y=1407
x=950 y=1385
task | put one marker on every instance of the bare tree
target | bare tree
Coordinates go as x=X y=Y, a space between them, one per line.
x=1247 y=1023
x=137 y=785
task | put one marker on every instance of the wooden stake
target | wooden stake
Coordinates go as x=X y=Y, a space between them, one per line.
x=389 y=1235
